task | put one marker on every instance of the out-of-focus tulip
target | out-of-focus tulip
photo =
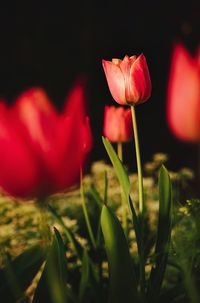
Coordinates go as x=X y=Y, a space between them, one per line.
x=183 y=100
x=128 y=79
x=41 y=151
x=118 y=124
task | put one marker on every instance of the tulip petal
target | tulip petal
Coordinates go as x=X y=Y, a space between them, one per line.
x=69 y=155
x=117 y=124
x=73 y=140
x=38 y=122
x=37 y=116
x=76 y=109
x=184 y=95
x=18 y=173
x=116 y=61
x=140 y=82
x=115 y=81
x=125 y=68
x=77 y=98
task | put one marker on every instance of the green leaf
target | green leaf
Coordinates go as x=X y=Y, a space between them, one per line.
x=90 y=287
x=123 y=286
x=18 y=274
x=52 y=287
x=77 y=247
x=118 y=166
x=125 y=184
x=163 y=235
x=123 y=178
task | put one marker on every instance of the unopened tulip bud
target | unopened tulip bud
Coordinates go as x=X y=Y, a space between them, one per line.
x=118 y=124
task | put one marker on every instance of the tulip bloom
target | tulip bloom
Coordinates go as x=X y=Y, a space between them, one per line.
x=41 y=151
x=118 y=124
x=183 y=100
x=128 y=79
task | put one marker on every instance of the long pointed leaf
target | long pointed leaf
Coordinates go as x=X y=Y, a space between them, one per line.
x=125 y=184
x=119 y=168
x=163 y=235
x=124 y=181
x=123 y=178
x=122 y=275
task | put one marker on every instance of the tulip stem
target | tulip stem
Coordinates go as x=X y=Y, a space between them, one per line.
x=85 y=211
x=141 y=201
x=120 y=150
x=139 y=166
x=44 y=227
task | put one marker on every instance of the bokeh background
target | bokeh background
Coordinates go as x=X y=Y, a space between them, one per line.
x=49 y=44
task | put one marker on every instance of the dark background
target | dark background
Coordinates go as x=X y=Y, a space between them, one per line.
x=49 y=44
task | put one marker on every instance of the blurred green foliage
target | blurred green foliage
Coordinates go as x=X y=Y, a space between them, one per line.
x=87 y=269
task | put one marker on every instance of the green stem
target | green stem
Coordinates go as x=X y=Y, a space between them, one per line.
x=120 y=151
x=44 y=228
x=139 y=166
x=141 y=202
x=85 y=211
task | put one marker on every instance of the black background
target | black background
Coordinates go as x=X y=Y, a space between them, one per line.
x=49 y=44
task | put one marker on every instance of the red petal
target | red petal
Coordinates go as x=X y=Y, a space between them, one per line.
x=184 y=95
x=140 y=82
x=19 y=170
x=115 y=81
x=76 y=99
x=117 y=124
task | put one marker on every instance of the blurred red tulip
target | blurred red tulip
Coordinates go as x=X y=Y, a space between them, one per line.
x=41 y=151
x=183 y=100
x=118 y=124
x=128 y=79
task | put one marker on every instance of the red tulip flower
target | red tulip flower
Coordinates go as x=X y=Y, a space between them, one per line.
x=183 y=100
x=40 y=150
x=128 y=79
x=118 y=124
